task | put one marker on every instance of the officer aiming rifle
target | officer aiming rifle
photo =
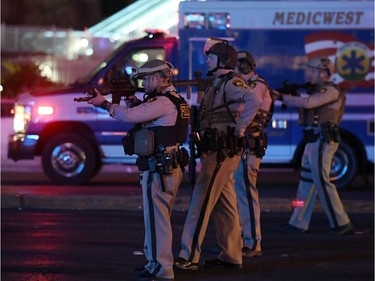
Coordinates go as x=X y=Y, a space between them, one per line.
x=120 y=88
x=125 y=88
x=292 y=89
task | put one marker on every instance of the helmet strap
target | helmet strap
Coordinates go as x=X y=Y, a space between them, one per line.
x=212 y=71
x=245 y=67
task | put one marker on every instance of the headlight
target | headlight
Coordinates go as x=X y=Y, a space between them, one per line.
x=22 y=116
x=45 y=110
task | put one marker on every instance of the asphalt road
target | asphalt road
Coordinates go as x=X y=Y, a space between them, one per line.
x=95 y=232
x=92 y=245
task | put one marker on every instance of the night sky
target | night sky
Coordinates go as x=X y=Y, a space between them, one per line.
x=75 y=14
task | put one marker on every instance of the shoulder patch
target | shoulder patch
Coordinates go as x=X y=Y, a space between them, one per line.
x=239 y=83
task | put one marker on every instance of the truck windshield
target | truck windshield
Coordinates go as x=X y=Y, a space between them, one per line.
x=86 y=78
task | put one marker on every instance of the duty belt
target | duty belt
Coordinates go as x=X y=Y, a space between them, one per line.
x=315 y=129
x=221 y=117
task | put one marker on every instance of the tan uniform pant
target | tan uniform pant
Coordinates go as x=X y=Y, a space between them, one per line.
x=157 y=208
x=248 y=201
x=214 y=193
x=315 y=181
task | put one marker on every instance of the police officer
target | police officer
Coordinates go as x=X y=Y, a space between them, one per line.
x=256 y=143
x=159 y=113
x=320 y=114
x=226 y=109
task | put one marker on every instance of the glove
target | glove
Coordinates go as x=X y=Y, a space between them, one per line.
x=132 y=101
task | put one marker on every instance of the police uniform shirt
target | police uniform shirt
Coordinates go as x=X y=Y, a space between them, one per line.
x=325 y=94
x=261 y=90
x=158 y=111
x=247 y=103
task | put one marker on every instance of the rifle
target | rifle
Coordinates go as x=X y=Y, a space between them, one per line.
x=120 y=88
x=201 y=84
x=292 y=89
x=124 y=88
x=193 y=151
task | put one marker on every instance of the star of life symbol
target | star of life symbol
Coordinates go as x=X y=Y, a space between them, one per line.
x=353 y=62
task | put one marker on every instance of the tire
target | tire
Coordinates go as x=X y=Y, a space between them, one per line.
x=69 y=159
x=97 y=169
x=344 y=167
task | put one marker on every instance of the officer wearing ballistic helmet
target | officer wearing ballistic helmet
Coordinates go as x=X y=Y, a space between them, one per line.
x=256 y=144
x=226 y=109
x=162 y=120
x=320 y=114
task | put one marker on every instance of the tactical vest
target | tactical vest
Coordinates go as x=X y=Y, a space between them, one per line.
x=262 y=117
x=323 y=114
x=208 y=114
x=171 y=135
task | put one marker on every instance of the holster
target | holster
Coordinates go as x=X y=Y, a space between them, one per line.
x=261 y=145
x=183 y=158
x=214 y=140
x=142 y=163
x=210 y=140
x=257 y=145
x=330 y=132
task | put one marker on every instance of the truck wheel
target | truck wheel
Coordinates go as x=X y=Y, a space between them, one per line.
x=344 y=166
x=98 y=168
x=69 y=159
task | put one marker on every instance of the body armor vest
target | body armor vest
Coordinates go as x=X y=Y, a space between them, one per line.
x=323 y=114
x=171 y=135
x=208 y=114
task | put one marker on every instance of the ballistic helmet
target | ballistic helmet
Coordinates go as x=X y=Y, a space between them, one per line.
x=227 y=55
x=322 y=63
x=246 y=62
x=153 y=66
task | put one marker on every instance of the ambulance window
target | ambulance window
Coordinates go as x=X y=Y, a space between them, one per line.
x=194 y=21
x=218 y=21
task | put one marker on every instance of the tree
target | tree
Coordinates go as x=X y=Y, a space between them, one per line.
x=18 y=77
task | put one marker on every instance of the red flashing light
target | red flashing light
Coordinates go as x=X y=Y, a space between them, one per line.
x=297 y=203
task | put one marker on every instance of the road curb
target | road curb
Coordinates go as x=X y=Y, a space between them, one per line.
x=103 y=202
